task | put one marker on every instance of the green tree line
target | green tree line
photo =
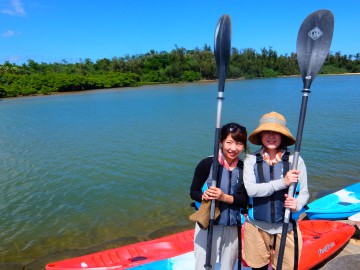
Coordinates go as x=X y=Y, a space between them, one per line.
x=179 y=65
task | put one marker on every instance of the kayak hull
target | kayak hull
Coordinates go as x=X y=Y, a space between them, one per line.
x=321 y=239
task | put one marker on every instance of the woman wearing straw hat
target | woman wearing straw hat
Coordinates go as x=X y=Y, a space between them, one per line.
x=267 y=178
x=230 y=195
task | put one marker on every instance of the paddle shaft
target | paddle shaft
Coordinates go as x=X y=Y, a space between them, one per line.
x=240 y=244
x=292 y=187
x=222 y=57
x=215 y=172
x=312 y=46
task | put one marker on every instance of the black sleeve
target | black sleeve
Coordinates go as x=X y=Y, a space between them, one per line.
x=201 y=174
x=241 y=198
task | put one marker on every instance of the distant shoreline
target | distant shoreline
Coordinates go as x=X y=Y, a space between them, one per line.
x=157 y=84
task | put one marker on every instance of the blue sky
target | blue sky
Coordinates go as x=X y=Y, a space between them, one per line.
x=52 y=30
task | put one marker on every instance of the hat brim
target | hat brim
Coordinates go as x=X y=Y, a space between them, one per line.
x=255 y=138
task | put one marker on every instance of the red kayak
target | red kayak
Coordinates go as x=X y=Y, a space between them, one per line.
x=321 y=239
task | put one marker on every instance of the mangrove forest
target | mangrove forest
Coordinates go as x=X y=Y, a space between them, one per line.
x=179 y=65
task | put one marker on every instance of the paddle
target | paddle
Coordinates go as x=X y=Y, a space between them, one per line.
x=313 y=44
x=222 y=46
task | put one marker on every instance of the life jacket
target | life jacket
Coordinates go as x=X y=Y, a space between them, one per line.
x=271 y=208
x=228 y=182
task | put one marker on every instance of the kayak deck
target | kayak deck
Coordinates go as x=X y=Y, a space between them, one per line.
x=131 y=255
x=337 y=205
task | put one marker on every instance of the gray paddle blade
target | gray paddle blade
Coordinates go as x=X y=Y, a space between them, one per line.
x=222 y=46
x=313 y=43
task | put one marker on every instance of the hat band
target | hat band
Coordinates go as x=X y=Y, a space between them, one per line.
x=272 y=120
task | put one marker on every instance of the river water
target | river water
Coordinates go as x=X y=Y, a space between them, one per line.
x=86 y=171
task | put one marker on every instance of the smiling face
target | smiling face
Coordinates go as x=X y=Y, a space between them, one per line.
x=271 y=140
x=231 y=149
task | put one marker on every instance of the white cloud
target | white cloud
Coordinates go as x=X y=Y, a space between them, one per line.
x=15 y=8
x=9 y=33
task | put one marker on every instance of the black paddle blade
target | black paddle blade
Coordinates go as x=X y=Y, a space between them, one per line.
x=222 y=48
x=313 y=44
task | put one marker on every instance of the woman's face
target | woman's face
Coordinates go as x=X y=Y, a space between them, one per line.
x=271 y=139
x=231 y=148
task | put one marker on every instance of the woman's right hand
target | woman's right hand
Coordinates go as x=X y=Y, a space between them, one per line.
x=291 y=177
x=212 y=193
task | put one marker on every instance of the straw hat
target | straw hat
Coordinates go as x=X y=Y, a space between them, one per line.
x=272 y=122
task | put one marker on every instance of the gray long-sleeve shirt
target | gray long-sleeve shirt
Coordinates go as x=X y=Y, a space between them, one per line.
x=255 y=189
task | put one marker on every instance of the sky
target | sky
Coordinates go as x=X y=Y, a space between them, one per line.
x=56 y=30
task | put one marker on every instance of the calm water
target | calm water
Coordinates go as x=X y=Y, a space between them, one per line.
x=80 y=170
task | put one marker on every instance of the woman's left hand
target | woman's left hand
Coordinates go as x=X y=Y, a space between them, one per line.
x=291 y=203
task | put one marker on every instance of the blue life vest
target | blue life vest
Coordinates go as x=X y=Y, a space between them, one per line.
x=271 y=208
x=229 y=182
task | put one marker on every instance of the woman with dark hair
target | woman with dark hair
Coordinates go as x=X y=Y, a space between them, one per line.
x=267 y=177
x=233 y=140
